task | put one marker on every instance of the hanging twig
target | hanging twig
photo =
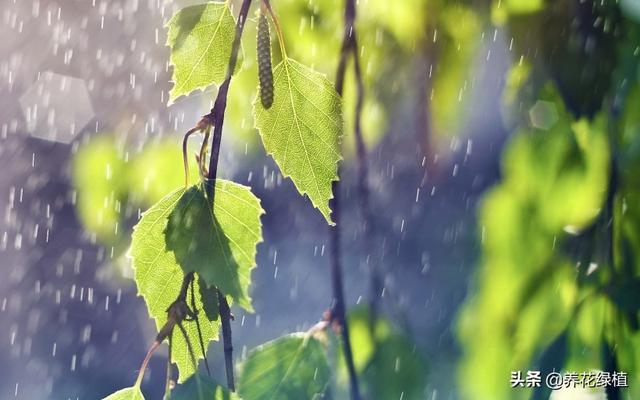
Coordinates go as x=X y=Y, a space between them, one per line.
x=338 y=307
x=215 y=119
x=368 y=228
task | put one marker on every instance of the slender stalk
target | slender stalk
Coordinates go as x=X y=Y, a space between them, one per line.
x=225 y=315
x=368 y=229
x=145 y=362
x=215 y=118
x=338 y=307
x=276 y=23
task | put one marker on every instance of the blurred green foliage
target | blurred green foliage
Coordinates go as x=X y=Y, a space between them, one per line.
x=554 y=185
x=113 y=185
x=558 y=282
x=387 y=360
x=557 y=286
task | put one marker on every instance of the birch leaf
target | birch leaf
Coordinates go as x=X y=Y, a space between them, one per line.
x=291 y=367
x=302 y=130
x=132 y=393
x=201 y=39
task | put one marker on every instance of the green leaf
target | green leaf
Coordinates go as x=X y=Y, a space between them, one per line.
x=302 y=130
x=201 y=387
x=201 y=39
x=158 y=277
x=292 y=367
x=396 y=371
x=219 y=246
x=98 y=169
x=153 y=172
x=132 y=393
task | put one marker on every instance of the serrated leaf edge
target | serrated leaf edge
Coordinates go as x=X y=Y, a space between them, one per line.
x=172 y=64
x=340 y=138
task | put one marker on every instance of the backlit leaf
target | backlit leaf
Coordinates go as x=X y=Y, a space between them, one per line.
x=158 y=277
x=302 y=130
x=292 y=367
x=201 y=387
x=132 y=393
x=219 y=246
x=200 y=38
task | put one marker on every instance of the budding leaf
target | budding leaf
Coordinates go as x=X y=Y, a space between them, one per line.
x=292 y=367
x=201 y=39
x=220 y=246
x=158 y=277
x=132 y=393
x=201 y=387
x=302 y=130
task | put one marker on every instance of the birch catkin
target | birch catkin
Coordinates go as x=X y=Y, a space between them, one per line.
x=265 y=72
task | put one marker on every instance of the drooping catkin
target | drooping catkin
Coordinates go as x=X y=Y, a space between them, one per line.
x=265 y=72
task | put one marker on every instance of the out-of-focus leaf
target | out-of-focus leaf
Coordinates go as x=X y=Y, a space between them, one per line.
x=396 y=371
x=514 y=96
x=201 y=387
x=501 y=9
x=156 y=171
x=292 y=367
x=555 y=181
x=220 y=246
x=99 y=178
x=451 y=76
x=579 y=393
x=552 y=360
x=389 y=363
x=302 y=130
x=132 y=393
x=200 y=38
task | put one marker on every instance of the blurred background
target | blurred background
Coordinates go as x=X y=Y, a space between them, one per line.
x=503 y=148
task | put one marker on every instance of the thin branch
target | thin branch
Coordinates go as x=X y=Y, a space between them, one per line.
x=368 y=229
x=225 y=317
x=339 y=309
x=145 y=362
x=216 y=115
x=215 y=118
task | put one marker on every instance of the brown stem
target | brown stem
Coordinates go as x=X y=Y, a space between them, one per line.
x=215 y=118
x=145 y=362
x=368 y=231
x=338 y=306
x=225 y=317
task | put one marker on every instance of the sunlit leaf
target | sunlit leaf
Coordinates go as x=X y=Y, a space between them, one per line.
x=302 y=130
x=132 y=393
x=292 y=367
x=158 y=277
x=201 y=387
x=219 y=246
x=201 y=39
